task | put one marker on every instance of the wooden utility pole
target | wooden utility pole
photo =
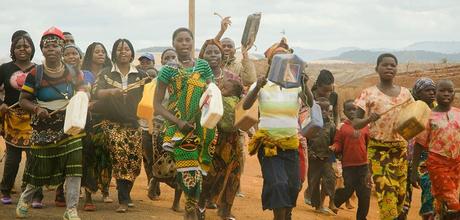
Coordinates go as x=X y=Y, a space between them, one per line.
x=191 y=21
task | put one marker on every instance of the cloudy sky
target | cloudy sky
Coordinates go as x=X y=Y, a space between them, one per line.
x=316 y=24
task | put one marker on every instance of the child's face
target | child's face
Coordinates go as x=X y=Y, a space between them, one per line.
x=227 y=89
x=169 y=56
x=350 y=110
x=445 y=93
x=325 y=110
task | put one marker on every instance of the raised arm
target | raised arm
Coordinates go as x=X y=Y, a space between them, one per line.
x=306 y=94
x=248 y=71
x=223 y=27
x=254 y=93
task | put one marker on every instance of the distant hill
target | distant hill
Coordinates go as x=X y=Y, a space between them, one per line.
x=314 y=54
x=426 y=51
x=436 y=46
x=367 y=56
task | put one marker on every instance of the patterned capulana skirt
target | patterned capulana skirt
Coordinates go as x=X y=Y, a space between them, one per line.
x=53 y=155
x=223 y=179
x=125 y=148
x=389 y=173
x=97 y=162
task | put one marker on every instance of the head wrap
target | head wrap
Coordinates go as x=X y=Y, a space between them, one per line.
x=76 y=48
x=422 y=84
x=281 y=47
x=210 y=42
x=52 y=35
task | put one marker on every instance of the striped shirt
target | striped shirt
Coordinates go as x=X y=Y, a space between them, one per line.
x=279 y=108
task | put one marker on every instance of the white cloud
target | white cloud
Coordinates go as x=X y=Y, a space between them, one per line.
x=315 y=23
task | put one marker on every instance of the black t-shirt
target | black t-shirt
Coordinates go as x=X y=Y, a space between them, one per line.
x=12 y=78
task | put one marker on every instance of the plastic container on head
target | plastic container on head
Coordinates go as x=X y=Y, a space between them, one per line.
x=286 y=70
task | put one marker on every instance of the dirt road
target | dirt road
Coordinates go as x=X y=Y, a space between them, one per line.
x=248 y=207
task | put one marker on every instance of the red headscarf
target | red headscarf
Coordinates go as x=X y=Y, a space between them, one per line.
x=53 y=34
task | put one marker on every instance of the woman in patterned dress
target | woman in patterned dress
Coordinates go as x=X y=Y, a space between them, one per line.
x=119 y=90
x=183 y=135
x=15 y=121
x=379 y=107
x=55 y=156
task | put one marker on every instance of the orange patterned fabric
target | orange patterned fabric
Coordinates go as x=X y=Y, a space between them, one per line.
x=373 y=100
x=445 y=176
x=442 y=134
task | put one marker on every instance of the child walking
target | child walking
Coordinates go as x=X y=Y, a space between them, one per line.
x=351 y=144
x=320 y=171
x=442 y=140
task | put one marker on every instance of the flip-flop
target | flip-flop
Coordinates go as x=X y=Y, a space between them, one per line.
x=6 y=200
x=122 y=209
x=107 y=199
x=326 y=211
x=37 y=205
x=89 y=207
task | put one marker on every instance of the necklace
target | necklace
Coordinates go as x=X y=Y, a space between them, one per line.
x=54 y=71
x=192 y=61
x=221 y=75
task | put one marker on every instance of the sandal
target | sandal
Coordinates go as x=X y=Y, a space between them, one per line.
x=37 y=204
x=89 y=207
x=201 y=214
x=230 y=217
x=6 y=200
x=107 y=199
x=122 y=209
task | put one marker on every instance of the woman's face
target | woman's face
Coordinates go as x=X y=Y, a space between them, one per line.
x=22 y=50
x=71 y=56
x=427 y=95
x=98 y=55
x=52 y=52
x=183 y=43
x=213 y=55
x=324 y=90
x=387 y=69
x=169 y=56
x=124 y=53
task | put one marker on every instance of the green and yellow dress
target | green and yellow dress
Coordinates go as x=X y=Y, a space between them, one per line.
x=192 y=152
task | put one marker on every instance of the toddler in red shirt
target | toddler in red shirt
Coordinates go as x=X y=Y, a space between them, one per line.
x=351 y=144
